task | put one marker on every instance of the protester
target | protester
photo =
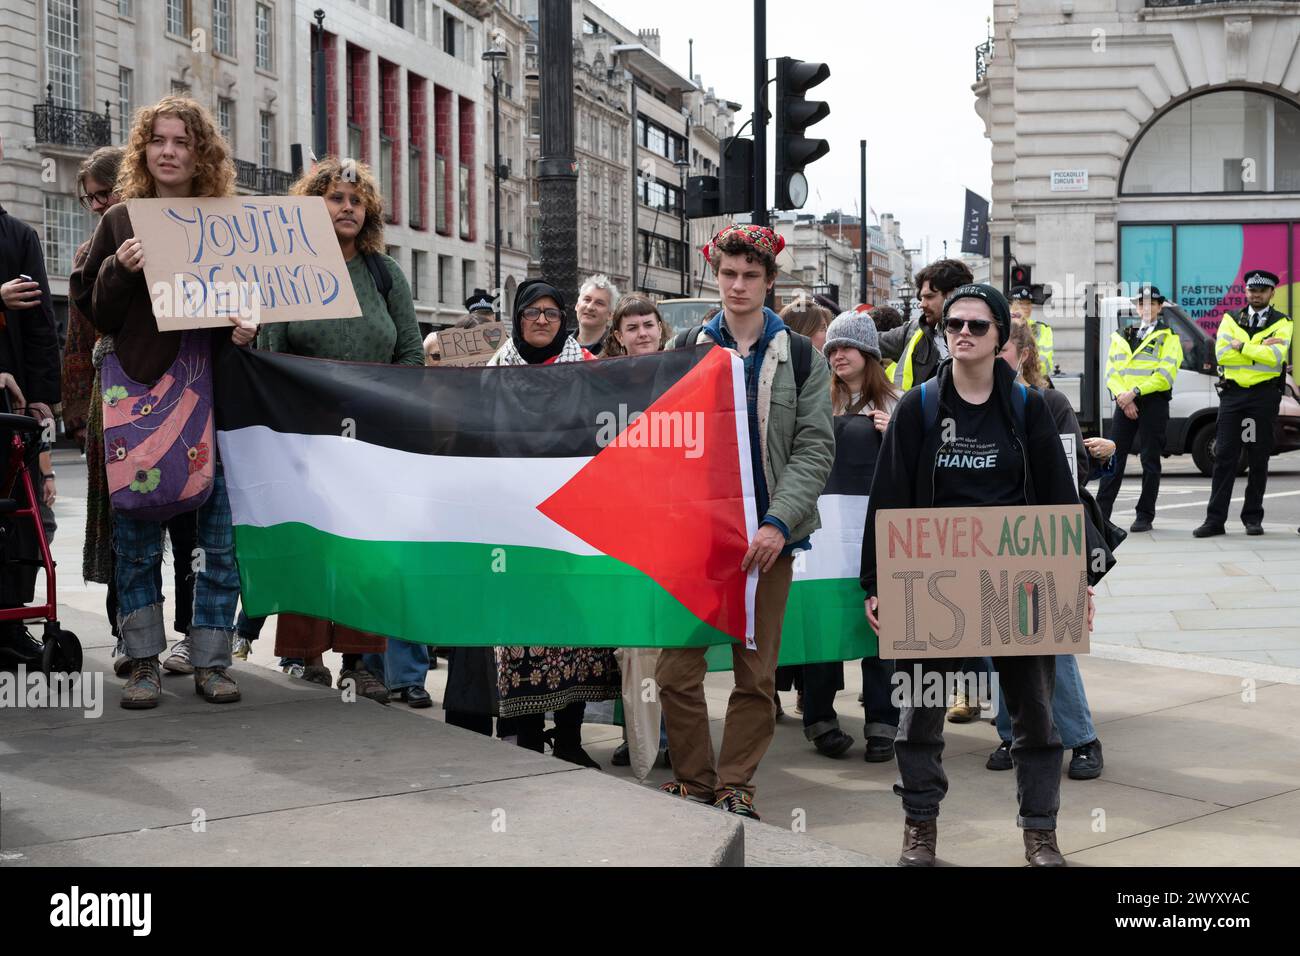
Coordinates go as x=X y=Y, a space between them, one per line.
x=792 y=447
x=1251 y=348
x=596 y=301
x=808 y=319
x=1020 y=464
x=386 y=332
x=637 y=328
x=1140 y=372
x=173 y=151
x=1070 y=710
x=533 y=681
x=919 y=346
x=862 y=399
x=432 y=350
x=1022 y=313
x=886 y=318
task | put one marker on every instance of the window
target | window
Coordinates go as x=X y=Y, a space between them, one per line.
x=386 y=175
x=534 y=116
x=397 y=12
x=660 y=251
x=419 y=262
x=177 y=16
x=468 y=277
x=266 y=140
x=126 y=8
x=66 y=226
x=262 y=28
x=226 y=119
x=125 y=100
x=1230 y=141
x=451 y=35
x=354 y=141
x=440 y=194
x=223 y=27
x=445 y=292
x=63 y=52
x=415 y=188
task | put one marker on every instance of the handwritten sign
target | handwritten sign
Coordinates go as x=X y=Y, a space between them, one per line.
x=982 y=582
x=471 y=346
x=269 y=258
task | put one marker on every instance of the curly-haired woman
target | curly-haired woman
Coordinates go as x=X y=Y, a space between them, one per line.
x=173 y=151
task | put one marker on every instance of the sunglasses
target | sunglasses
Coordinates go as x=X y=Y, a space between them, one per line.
x=89 y=199
x=976 y=327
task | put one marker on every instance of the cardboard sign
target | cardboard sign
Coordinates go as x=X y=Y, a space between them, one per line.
x=471 y=346
x=1071 y=458
x=982 y=582
x=269 y=258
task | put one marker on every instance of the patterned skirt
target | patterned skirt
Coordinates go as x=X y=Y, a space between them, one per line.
x=535 y=680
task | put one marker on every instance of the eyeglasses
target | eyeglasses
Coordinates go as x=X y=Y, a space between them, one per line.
x=537 y=315
x=976 y=327
x=102 y=197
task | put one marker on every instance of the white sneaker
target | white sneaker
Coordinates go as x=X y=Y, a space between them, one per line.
x=294 y=670
x=240 y=648
x=178 y=662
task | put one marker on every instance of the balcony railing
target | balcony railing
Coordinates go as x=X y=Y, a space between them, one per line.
x=983 y=54
x=80 y=129
x=262 y=179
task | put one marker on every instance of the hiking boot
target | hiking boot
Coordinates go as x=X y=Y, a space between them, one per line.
x=833 y=743
x=737 y=802
x=1040 y=848
x=1000 y=759
x=121 y=666
x=216 y=686
x=367 y=684
x=919 y=839
x=962 y=711
x=1086 y=763
x=315 y=674
x=178 y=662
x=144 y=687
x=240 y=647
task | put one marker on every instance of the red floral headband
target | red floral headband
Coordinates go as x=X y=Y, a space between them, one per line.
x=760 y=237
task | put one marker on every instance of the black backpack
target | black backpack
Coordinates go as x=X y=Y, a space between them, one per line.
x=801 y=351
x=383 y=281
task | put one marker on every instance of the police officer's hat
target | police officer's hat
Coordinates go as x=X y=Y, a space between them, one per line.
x=1149 y=292
x=1257 y=278
x=480 y=301
x=1021 y=293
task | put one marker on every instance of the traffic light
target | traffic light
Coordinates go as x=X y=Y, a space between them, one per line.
x=737 y=186
x=794 y=114
x=702 y=193
x=1020 y=276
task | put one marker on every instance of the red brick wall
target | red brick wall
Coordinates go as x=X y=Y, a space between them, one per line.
x=331 y=95
x=442 y=147
x=359 y=83
x=417 y=93
x=390 y=124
x=467 y=141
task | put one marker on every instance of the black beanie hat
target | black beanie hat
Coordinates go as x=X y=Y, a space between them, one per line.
x=992 y=298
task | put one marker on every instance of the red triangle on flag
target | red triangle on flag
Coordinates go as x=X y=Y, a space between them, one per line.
x=669 y=495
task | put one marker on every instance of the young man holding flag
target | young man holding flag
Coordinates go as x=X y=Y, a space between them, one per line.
x=792 y=448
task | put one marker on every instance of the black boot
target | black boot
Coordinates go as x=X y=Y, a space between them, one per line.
x=566 y=738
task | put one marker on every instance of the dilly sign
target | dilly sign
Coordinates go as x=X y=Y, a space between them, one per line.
x=982 y=582
x=266 y=258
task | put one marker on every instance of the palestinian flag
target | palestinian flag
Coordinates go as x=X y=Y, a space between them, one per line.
x=481 y=506
x=824 y=619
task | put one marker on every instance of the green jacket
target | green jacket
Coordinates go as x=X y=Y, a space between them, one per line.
x=797 y=434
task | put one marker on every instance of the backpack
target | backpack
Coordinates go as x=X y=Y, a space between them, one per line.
x=930 y=405
x=800 y=352
x=383 y=281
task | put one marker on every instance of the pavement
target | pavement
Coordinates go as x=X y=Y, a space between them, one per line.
x=1194 y=684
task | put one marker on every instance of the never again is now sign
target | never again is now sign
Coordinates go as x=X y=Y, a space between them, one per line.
x=982 y=582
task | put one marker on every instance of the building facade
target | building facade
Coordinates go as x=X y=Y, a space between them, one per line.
x=814 y=261
x=1144 y=141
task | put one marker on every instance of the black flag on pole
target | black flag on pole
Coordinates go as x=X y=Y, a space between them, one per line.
x=975 y=225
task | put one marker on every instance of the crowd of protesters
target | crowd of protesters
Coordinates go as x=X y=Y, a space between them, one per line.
x=822 y=386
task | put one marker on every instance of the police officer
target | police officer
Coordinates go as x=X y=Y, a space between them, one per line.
x=1251 y=349
x=1140 y=372
x=1022 y=310
x=480 y=305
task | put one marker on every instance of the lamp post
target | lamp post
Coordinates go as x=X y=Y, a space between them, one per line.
x=319 y=134
x=495 y=57
x=683 y=167
x=905 y=293
x=557 y=168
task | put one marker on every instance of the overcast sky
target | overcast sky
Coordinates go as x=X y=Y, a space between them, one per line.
x=901 y=76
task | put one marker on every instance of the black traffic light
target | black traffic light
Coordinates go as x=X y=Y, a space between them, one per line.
x=794 y=114
x=737 y=187
x=702 y=197
x=1020 y=275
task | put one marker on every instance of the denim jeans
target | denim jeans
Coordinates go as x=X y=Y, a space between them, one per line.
x=1070 y=710
x=405 y=664
x=822 y=681
x=137 y=548
x=1026 y=684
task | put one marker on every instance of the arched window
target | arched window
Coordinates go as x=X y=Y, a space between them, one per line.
x=1229 y=141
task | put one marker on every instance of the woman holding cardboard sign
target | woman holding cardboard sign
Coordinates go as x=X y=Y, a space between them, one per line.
x=173 y=151
x=992 y=443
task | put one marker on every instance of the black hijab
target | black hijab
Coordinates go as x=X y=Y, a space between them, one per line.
x=529 y=291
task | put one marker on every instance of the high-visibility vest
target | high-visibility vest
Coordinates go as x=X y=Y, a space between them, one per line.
x=890 y=369
x=1043 y=339
x=1255 y=363
x=902 y=375
x=1149 y=368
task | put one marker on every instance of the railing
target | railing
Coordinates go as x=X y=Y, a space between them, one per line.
x=1200 y=3
x=82 y=129
x=983 y=54
x=262 y=179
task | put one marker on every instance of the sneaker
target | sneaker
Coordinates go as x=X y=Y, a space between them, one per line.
x=675 y=789
x=1086 y=763
x=240 y=647
x=1000 y=759
x=314 y=674
x=294 y=670
x=178 y=662
x=367 y=684
x=622 y=756
x=962 y=711
x=879 y=750
x=737 y=802
x=215 y=685
x=144 y=687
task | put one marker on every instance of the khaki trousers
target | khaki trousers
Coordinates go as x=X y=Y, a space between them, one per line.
x=751 y=711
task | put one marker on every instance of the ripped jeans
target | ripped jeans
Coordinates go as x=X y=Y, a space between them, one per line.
x=137 y=547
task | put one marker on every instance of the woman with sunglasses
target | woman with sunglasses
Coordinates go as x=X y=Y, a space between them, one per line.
x=1014 y=461
x=532 y=681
